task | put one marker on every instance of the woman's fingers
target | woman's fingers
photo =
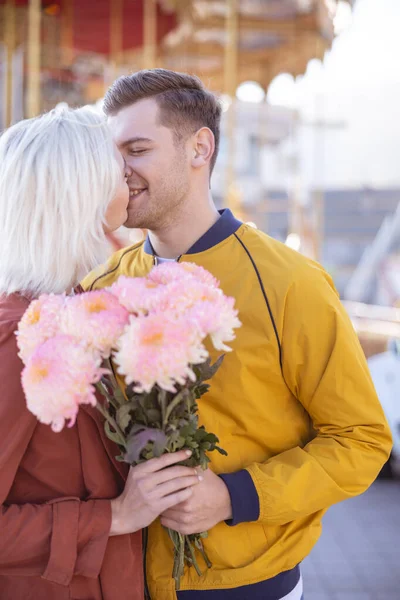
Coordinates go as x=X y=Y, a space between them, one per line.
x=161 y=477
x=166 y=460
x=174 y=499
x=175 y=485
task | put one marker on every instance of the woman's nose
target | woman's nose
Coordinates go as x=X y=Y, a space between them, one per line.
x=128 y=170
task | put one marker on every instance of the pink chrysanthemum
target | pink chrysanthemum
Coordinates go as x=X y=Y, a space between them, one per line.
x=96 y=318
x=210 y=311
x=139 y=295
x=174 y=271
x=181 y=295
x=157 y=350
x=218 y=320
x=39 y=323
x=58 y=378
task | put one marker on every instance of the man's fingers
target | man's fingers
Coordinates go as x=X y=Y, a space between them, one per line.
x=185 y=529
x=173 y=513
x=170 y=523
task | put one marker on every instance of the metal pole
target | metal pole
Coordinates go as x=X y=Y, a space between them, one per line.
x=33 y=59
x=67 y=33
x=318 y=196
x=10 y=43
x=149 y=34
x=319 y=225
x=230 y=81
x=116 y=8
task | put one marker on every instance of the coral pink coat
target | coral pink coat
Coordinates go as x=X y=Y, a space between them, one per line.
x=55 y=491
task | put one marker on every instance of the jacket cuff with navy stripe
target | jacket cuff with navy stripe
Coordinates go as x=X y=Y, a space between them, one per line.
x=244 y=497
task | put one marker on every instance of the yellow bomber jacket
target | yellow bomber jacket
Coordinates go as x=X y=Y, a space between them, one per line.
x=293 y=405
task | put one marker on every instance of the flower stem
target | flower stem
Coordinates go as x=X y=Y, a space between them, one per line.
x=113 y=423
x=180 y=559
x=175 y=402
x=192 y=555
x=199 y=545
x=163 y=405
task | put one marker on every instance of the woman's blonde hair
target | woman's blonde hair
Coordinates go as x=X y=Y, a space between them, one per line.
x=58 y=173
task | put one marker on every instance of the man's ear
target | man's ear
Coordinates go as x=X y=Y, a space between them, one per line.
x=203 y=147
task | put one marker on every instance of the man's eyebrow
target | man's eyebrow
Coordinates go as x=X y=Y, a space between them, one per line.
x=135 y=140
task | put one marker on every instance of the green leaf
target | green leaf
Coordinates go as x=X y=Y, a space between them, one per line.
x=207 y=370
x=211 y=437
x=221 y=451
x=154 y=416
x=187 y=430
x=112 y=435
x=201 y=389
x=181 y=441
x=119 y=396
x=124 y=415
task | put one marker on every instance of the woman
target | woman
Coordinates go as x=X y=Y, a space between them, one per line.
x=70 y=526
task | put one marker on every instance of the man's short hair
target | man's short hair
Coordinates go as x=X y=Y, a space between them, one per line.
x=185 y=104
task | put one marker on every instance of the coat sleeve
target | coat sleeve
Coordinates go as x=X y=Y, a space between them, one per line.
x=57 y=539
x=325 y=368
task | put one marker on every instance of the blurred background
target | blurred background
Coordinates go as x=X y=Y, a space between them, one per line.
x=309 y=154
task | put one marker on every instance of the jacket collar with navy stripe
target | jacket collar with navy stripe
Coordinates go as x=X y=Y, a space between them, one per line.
x=226 y=225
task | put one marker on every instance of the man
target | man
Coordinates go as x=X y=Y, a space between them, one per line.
x=293 y=403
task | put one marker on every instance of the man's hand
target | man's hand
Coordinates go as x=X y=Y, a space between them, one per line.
x=209 y=504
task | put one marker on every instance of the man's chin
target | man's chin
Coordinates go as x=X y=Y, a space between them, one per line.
x=131 y=224
x=134 y=222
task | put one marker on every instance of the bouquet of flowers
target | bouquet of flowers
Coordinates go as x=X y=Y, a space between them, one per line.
x=140 y=344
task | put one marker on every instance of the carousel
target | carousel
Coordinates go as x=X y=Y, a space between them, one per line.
x=70 y=51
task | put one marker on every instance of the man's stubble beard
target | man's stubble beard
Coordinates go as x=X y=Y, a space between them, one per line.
x=166 y=200
x=163 y=207
x=167 y=208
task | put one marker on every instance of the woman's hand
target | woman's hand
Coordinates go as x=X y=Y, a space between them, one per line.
x=151 y=488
